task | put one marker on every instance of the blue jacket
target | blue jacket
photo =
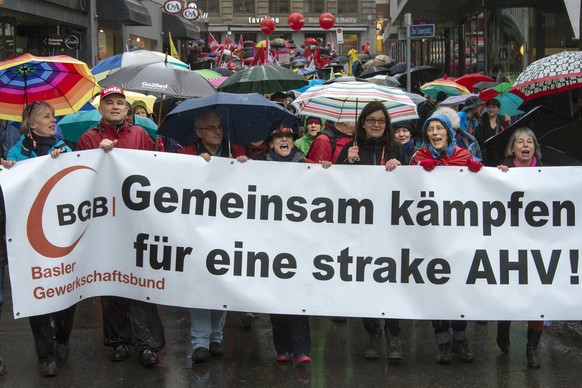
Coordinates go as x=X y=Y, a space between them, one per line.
x=18 y=153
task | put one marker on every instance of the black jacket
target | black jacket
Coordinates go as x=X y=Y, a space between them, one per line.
x=370 y=152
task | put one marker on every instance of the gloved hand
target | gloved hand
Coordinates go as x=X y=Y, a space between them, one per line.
x=474 y=166
x=429 y=164
x=28 y=143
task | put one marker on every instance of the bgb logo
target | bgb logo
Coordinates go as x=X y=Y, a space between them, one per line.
x=67 y=214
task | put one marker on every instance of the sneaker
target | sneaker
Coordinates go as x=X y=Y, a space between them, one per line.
x=215 y=349
x=283 y=357
x=394 y=351
x=247 y=320
x=120 y=353
x=200 y=355
x=48 y=368
x=443 y=355
x=374 y=350
x=303 y=359
x=148 y=358
x=62 y=351
x=461 y=347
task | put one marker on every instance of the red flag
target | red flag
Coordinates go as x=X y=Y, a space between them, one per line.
x=212 y=43
x=240 y=44
x=229 y=43
x=307 y=53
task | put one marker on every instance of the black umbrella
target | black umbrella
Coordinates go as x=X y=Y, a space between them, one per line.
x=342 y=59
x=559 y=137
x=299 y=62
x=347 y=78
x=372 y=71
x=264 y=79
x=400 y=67
x=485 y=85
x=223 y=71
x=419 y=75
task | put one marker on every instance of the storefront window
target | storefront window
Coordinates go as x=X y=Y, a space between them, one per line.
x=508 y=31
x=351 y=41
x=7 y=40
x=347 y=6
x=313 y=6
x=279 y=6
x=244 y=6
x=106 y=42
x=210 y=6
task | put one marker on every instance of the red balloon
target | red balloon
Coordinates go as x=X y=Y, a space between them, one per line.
x=267 y=26
x=296 y=21
x=326 y=20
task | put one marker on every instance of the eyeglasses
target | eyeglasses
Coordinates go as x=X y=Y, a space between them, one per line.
x=212 y=128
x=376 y=121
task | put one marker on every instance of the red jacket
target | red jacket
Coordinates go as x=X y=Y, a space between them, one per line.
x=128 y=136
x=192 y=150
x=320 y=148
x=460 y=157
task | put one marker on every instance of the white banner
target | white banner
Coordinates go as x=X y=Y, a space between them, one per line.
x=294 y=238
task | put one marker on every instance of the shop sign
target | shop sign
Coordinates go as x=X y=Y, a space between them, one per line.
x=338 y=20
x=72 y=42
x=173 y=7
x=253 y=20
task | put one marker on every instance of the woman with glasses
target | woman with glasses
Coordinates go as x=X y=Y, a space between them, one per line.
x=375 y=145
x=38 y=139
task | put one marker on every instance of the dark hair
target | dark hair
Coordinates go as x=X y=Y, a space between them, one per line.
x=374 y=106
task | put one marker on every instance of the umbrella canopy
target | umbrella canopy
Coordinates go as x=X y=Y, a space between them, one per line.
x=160 y=79
x=509 y=101
x=416 y=98
x=374 y=62
x=214 y=77
x=469 y=80
x=345 y=78
x=344 y=101
x=400 y=67
x=559 y=138
x=341 y=59
x=131 y=58
x=419 y=75
x=245 y=117
x=264 y=79
x=312 y=82
x=556 y=73
x=450 y=88
x=372 y=71
x=484 y=85
x=385 y=80
x=457 y=100
x=64 y=82
x=384 y=58
x=74 y=125
x=300 y=62
x=223 y=71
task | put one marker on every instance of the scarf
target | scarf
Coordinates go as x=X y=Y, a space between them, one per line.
x=533 y=163
x=43 y=144
x=294 y=156
x=408 y=146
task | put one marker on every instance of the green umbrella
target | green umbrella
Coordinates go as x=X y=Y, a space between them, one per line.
x=265 y=79
x=74 y=125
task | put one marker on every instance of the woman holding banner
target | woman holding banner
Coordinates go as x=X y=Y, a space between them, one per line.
x=441 y=149
x=38 y=138
x=375 y=145
x=523 y=150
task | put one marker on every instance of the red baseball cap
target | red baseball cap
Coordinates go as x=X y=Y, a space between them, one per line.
x=111 y=90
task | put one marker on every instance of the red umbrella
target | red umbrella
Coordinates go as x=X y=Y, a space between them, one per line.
x=469 y=80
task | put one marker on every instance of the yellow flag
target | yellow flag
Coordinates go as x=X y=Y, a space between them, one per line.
x=173 y=51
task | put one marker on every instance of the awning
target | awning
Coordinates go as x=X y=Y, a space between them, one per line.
x=129 y=12
x=179 y=27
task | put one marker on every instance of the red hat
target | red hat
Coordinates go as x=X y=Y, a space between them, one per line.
x=111 y=90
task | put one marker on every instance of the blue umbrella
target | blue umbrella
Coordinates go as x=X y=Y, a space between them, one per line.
x=74 y=125
x=246 y=117
x=312 y=82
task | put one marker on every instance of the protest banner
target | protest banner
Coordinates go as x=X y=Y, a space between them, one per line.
x=294 y=238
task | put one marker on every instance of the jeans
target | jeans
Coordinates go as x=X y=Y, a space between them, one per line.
x=373 y=326
x=206 y=326
x=291 y=334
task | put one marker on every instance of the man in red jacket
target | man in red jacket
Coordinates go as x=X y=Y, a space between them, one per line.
x=124 y=320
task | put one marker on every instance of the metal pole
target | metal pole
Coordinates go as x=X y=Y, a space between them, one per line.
x=408 y=22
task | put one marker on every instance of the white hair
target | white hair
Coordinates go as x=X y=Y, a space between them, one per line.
x=451 y=114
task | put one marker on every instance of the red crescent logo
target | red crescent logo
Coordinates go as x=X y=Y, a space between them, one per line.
x=34 y=229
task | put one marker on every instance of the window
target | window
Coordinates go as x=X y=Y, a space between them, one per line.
x=347 y=6
x=210 y=6
x=313 y=6
x=279 y=6
x=242 y=6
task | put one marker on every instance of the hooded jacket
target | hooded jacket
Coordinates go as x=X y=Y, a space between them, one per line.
x=127 y=136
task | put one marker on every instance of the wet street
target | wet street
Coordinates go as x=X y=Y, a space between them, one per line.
x=337 y=352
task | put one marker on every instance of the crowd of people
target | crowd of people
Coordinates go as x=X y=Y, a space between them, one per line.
x=442 y=137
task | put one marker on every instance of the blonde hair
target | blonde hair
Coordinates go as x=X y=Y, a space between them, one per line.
x=30 y=114
x=523 y=131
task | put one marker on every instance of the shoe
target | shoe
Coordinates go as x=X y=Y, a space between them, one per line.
x=531 y=348
x=247 y=320
x=443 y=355
x=215 y=349
x=120 y=353
x=283 y=357
x=3 y=368
x=393 y=349
x=48 y=368
x=303 y=359
x=374 y=350
x=62 y=352
x=503 y=335
x=461 y=347
x=148 y=358
x=200 y=355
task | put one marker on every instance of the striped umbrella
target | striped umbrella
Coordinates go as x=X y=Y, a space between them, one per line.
x=215 y=78
x=450 y=88
x=344 y=101
x=64 y=82
x=139 y=57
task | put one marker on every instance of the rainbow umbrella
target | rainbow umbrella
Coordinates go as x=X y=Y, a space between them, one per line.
x=64 y=82
x=450 y=88
x=139 y=57
x=215 y=78
x=344 y=101
x=509 y=101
